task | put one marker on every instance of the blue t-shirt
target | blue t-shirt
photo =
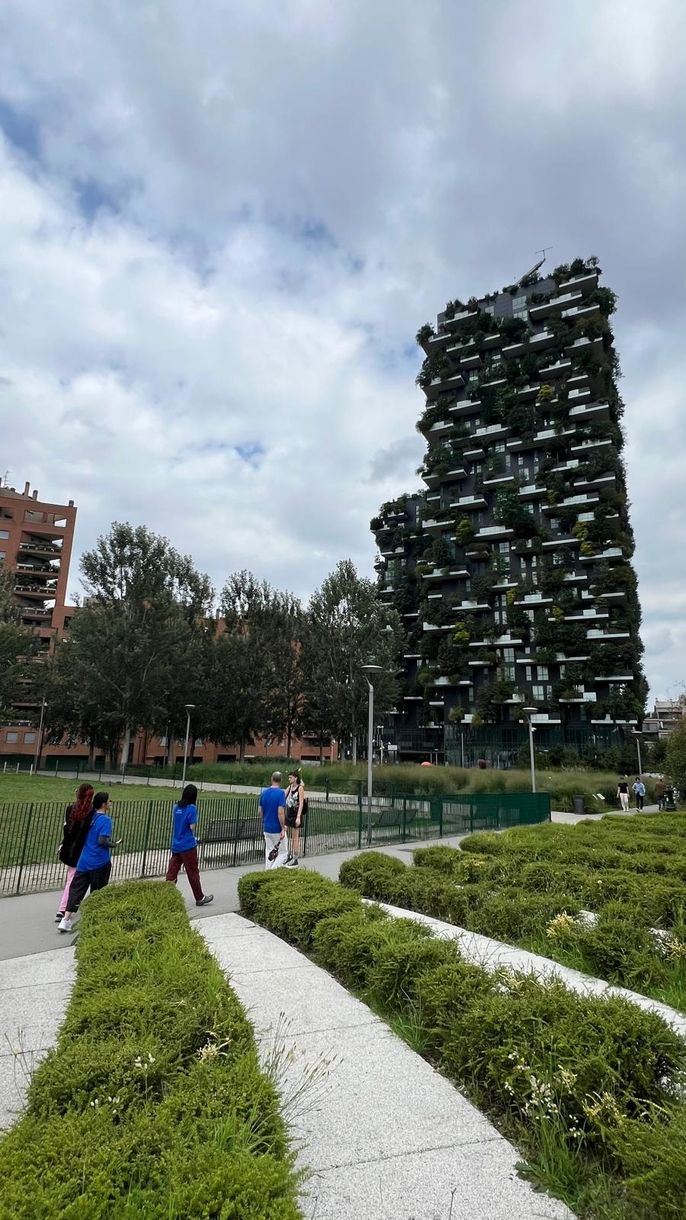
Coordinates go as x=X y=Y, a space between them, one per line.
x=183 y=838
x=271 y=799
x=93 y=856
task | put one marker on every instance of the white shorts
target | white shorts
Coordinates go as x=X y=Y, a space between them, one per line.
x=270 y=842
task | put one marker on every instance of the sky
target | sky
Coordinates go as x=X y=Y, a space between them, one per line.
x=221 y=226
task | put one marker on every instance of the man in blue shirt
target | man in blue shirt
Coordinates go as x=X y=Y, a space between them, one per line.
x=273 y=811
x=94 y=865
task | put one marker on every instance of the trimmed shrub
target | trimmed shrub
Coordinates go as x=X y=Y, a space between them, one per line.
x=153 y=1102
x=293 y=903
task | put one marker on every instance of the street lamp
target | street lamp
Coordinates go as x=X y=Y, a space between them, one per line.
x=637 y=735
x=370 y=735
x=39 y=743
x=529 y=712
x=190 y=707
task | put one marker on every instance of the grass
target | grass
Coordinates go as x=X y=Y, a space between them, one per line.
x=23 y=787
x=586 y=1087
x=153 y=1102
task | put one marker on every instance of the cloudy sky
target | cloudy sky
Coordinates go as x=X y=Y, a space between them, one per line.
x=222 y=224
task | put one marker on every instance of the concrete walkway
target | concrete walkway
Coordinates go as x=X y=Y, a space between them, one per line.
x=384 y=1136
x=33 y=997
x=492 y=954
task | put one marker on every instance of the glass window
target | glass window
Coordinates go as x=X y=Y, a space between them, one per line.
x=538 y=692
x=543 y=673
x=508 y=656
x=29 y=739
x=504 y=548
x=2 y=556
x=4 y=533
x=12 y=737
x=528 y=671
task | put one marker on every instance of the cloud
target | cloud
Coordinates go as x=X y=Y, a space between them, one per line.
x=221 y=229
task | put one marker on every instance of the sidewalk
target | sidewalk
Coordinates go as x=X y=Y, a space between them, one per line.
x=383 y=1135
x=27 y=922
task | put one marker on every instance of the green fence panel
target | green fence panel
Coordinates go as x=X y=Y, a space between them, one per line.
x=230 y=830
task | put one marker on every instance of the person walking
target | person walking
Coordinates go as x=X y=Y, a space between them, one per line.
x=184 y=845
x=296 y=808
x=273 y=812
x=76 y=823
x=623 y=794
x=660 y=789
x=94 y=865
x=639 y=792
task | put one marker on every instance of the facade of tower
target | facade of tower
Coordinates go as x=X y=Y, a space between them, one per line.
x=513 y=568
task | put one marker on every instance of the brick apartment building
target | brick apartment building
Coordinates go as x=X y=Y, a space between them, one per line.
x=36 y=542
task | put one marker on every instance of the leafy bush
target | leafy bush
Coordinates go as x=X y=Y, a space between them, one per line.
x=292 y=905
x=153 y=1102
x=570 y=1078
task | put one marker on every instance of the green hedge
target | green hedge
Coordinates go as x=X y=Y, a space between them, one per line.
x=153 y=1103
x=514 y=886
x=576 y=1082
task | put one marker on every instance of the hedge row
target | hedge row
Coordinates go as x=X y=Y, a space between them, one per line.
x=584 y=1086
x=153 y=1103
x=537 y=906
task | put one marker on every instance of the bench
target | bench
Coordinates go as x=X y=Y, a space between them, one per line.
x=394 y=818
x=245 y=829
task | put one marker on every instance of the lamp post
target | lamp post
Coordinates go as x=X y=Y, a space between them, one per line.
x=39 y=743
x=370 y=737
x=637 y=735
x=529 y=711
x=190 y=707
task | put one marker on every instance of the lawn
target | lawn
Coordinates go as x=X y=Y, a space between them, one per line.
x=23 y=787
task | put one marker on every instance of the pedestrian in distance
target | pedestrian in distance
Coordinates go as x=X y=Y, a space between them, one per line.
x=623 y=793
x=639 y=791
x=660 y=790
x=273 y=812
x=94 y=865
x=296 y=809
x=184 y=845
x=77 y=820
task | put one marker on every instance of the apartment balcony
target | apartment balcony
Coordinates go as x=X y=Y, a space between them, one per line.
x=596 y=410
x=543 y=339
x=584 y=446
x=604 y=480
x=467 y=503
x=499 y=480
x=531 y=600
x=35 y=612
x=555 y=542
x=538 y=312
x=580 y=283
x=615 y=678
x=496 y=383
x=514 y=349
x=613 y=552
x=527 y=392
x=492 y=432
x=597 y=634
x=594 y=346
x=40 y=548
x=40 y=591
x=459 y=318
x=471 y=360
x=577 y=397
x=531 y=491
x=475 y=453
x=555 y=370
x=455 y=475
x=412 y=656
x=468 y=406
x=30 y=569
x=492 y=533
x=581 y=311
x=440 y=427
x=439 y=626
x=440 y=384
x=437 y=523
x=585 y=618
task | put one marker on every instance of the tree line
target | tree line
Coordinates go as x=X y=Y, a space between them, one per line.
x=151 y=635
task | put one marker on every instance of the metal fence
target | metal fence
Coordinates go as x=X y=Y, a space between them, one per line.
x=230 y=830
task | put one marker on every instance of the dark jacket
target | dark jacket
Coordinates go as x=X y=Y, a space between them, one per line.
x=73 y=837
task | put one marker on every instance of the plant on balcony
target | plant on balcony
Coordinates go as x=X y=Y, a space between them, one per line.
x=511 y=513
x=433 y=366
x=545 y=393
x=464 y=531
x=514 y=330
x=456 y=715
x=463 y=631
x=453 y=307
x=425 y=332
x=587 y=550
x=606 y=299
x=491 y=696
x=482 y=585
x=495 y=465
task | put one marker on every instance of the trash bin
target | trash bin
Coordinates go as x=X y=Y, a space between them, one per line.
x=578 y=803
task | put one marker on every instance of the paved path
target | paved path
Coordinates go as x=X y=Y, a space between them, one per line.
x=493 y=953
x=384 y=1136
x=33 y=996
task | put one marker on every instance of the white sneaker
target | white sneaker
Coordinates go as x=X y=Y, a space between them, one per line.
x=65 y=925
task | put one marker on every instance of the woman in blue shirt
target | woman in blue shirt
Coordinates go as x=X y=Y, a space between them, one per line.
x=184 y=845
x=94 y=865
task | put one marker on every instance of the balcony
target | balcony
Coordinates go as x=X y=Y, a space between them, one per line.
x=440 y=384
x=492 y=432
x=497 y=480
x=489 y=533
x=595 y=346
x=580 y=283
x=538 y=312
x=584 y=446
x=468 y=406
x=531 y=492
x=477 y=452
x=596 y=634
x=40 y=548
x=442 y=425
x=40 y=591
x=581 y=311
x=35 y=612
x=468 y=502
x=542 y=339
x=555 y=370
x=597 y=410
x=438 y=523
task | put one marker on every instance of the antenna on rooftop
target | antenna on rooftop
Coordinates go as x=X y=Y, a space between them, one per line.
x=536 y=266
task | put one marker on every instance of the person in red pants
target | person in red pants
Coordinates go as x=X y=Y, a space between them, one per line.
x=184 y=845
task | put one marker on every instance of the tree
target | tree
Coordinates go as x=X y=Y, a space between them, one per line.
x=676 y=756
x=134 y=646
x=348 y=627
x=18 y=646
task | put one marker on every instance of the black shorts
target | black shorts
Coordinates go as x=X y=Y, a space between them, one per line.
x=291 y=816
